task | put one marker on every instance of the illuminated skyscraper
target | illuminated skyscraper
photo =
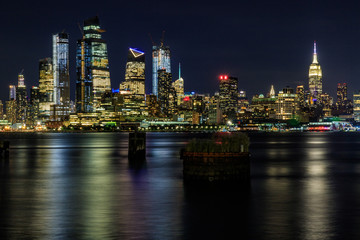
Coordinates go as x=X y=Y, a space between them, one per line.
x=135 y=72
x=300 y=92
x=272 y=91
x=286 y=105
x=46 y=80
x=165 y=90
x=21 y=100
x=341 y=93
x=12 y=92
x=228 y=96
x=46 y=87
x=356 y=102
x=161 y=60
x=92 y=67
x=178 y=85
x=134 y=84
x=315 y=76
x=61 y=76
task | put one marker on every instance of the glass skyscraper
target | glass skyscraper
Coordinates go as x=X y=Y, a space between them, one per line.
x=134 y=84
x=92 y=67
x=61 y=68
x=161 y=61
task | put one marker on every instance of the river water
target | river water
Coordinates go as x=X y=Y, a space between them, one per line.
x=81 y=186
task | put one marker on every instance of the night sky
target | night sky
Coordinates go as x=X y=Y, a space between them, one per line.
x=260 y=42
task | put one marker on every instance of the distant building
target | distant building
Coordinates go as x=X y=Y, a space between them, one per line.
x=160 y=61
x=11 y=111
x=21 y=100
x=356 y=103
x=300 y=94
x=60 y=109
x=46 y=87
x=315 y=77
x=263 y=108
x=228 y=96
x=92 y=67
x=33 y=108
x=134 y=82
x=1 y=110
x=12 y=92
x=164 y=88
x=178 y=85
x=272 y=91
x=286 y=104
x=341 y=94
x=153 y=106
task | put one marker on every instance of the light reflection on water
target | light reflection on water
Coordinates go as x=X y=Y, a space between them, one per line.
x=81 y=186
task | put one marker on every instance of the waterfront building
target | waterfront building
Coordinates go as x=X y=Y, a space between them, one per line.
x=315 y=77
x=356 y=104
x=21 y=100
x=60 y=109
x=46 y=87
x=228 y=96
x=160 y=61
x=92 y=67
x=286 y=104
x=164 y=87
x=134 y=82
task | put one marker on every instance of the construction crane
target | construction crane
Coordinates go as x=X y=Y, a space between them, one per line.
x=162 y=38
x=151 y=39
x=81 y=30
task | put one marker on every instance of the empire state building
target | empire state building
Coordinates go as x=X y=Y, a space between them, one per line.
x=315 y=76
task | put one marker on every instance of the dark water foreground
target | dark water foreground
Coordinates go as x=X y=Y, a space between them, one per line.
x=81 y=186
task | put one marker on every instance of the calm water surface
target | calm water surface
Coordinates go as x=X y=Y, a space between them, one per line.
x=81 y=186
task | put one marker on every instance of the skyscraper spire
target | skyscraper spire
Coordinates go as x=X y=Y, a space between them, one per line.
x=272 y=91
x=21 y=81
x=179 y=70
x=315 y=54
x=315 y=76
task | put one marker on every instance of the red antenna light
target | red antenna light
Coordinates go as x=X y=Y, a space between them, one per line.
x=221 y=77
x=225 y=77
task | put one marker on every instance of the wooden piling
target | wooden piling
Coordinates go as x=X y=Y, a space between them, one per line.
x=137 y=146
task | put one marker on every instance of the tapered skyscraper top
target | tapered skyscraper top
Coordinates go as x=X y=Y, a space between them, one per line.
x=315 y=60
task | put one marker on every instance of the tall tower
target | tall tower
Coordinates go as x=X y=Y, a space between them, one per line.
x=341 y=93
x=315 y=76
x=178 y=85
x=92 y=67
x=161 y=60
x=21 y=99
x=134 y=84
x=135 y=72
x=61 y=69
x=165 y=80
x=228 y=96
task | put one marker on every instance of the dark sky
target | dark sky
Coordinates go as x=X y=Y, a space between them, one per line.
x=260 y=42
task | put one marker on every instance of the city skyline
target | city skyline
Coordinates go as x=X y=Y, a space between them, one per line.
x=258 y=62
